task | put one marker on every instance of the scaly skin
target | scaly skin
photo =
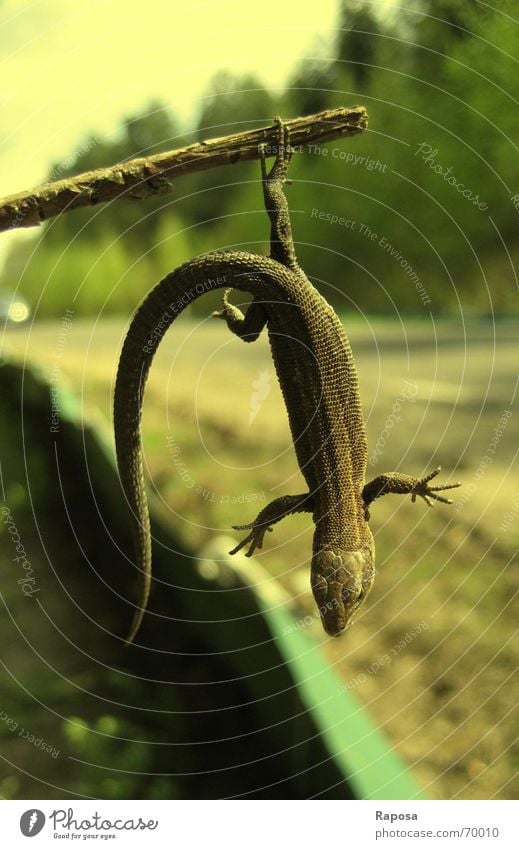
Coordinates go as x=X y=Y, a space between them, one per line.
x=317 y=375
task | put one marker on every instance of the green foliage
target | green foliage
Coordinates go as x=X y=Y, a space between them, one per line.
x=440 y=84
x=357 y=41
x=311 y=87
x=232 y=104
x=114 y=739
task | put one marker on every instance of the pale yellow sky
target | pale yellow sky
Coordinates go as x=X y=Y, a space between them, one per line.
x=71 y=68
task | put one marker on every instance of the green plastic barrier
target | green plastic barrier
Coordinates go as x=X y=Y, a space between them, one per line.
x=362 y=752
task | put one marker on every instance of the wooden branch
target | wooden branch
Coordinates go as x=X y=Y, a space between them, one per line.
x=154 y=175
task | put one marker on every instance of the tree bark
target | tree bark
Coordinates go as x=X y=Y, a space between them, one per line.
x=154 y=175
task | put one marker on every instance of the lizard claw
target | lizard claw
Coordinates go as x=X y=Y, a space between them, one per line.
x=423 y=490
x=225 y=306
x=254 y=540
x=285 y=152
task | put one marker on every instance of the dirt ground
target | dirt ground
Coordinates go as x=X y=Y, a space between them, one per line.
x=431 y=654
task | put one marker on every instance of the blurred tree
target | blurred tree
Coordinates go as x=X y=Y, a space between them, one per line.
x=357 y=41
x=145 y=133
x=438 y=21
x=311 y=85
x=232 y=104
x=439 y=80
x=151 y=132
x=112 y=241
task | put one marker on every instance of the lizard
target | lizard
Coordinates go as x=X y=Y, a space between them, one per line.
x=318 y=379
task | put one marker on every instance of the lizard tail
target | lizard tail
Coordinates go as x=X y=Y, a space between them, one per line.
x=156 y=313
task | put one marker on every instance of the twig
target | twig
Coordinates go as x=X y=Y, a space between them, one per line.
x=154 y=175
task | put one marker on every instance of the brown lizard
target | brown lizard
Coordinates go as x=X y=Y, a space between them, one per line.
x=318 y=379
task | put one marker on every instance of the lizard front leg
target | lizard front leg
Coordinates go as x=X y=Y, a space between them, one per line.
x=272 y=513
x=249 y=326
x=406 y=485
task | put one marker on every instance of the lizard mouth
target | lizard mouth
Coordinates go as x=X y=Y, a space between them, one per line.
x=334 y=630
x=333 y=611
x=339 y=611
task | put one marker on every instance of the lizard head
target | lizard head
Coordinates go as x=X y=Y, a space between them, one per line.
x=340 y=583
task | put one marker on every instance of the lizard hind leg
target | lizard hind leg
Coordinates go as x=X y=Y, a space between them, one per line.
x=284 y=154
x=279 y=170
x=246 y=326
x=281 y=243
x=229 y=313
